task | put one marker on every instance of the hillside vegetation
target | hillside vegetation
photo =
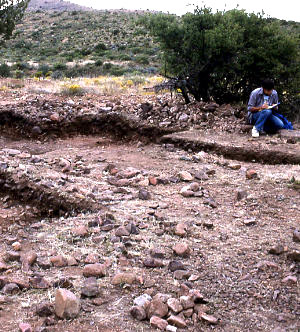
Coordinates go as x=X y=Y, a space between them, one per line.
x=58 y=5
x=58 y=41
x=106 y=42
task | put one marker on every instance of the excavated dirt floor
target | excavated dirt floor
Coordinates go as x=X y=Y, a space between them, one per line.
x=67 y=177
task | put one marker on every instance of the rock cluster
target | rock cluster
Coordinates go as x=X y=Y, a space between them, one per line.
x=167 y=313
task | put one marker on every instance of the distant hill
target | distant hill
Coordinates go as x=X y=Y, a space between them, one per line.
x=102 y=42
x=56 y=5
x=56 y=35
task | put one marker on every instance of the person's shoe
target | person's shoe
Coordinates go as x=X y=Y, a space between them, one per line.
x=255 y=132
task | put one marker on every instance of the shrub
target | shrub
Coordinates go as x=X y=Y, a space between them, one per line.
x=57 y=74
x=98 y=63
x=72 y=90
x=43 y=69
x=4 y=70
x=59 y=66
x=125 y=57
x=225 y=55
x=38 y=74
x=19 y=74
x=107 y=66
x=100 y=47
x=142 y=59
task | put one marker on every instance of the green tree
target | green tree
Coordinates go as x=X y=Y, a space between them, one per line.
x=11 y=11
x=224 y=55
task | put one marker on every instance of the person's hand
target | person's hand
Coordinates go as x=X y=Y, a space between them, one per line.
x=264 y=106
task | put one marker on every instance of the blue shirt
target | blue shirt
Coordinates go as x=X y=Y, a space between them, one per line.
x=257 y=99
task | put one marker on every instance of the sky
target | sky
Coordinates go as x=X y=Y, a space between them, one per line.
x=286 y=9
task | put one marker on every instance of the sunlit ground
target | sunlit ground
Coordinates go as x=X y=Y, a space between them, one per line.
x=108 y=85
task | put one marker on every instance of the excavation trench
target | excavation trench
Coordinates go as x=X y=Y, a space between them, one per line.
x=49 y=201
x=52 y=202
x=116 y=124
x=232 y=148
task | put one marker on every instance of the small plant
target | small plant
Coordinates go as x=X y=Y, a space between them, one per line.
x=72 y=90
x=38 y=75
x=19 y=74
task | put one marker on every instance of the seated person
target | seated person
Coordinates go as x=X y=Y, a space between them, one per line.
x=259 y=115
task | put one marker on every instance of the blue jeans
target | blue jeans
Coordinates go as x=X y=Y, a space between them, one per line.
x=266 y=121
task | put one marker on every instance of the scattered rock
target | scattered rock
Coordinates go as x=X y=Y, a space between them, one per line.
x=251 y=174
x=180 y=229
x=3 y=267
x=174 y=305
x=11 y=289
x=185 y=176
x=24 y=327
x=290 y=280
x=211 y=202
x=94 y=270
x=153 y=262
x=158 y=323
x=157 y=308
x=152 y=180
x=296 y=235
x=157 y=253
x=241 y=194
x=59 y=261
x=141 y=300
x=197 y=296
x=44 y=309
x=90 y=287
x=182 y=249
x=124 y=278
x=186 y=191
x=267 y=264
x=43 y=263
x=12 y=256
x=208 y=318
x=122 y=231
x=80 y=231
x=144 y=194
x=249 y=222
x=294 y=255
x=177 y=321
x=176 y=265
x=28 y=260
x=171 y=328
x=201 y=175
x=16 y=246
x=54 y=117
x=182 y=274
x=39 y=282
x=138 y=313
x=67 y=305
x=194 y=186
x=277 y=250
x=36 y=130
x=208 y=224
x=235 y=166
x=187 y=302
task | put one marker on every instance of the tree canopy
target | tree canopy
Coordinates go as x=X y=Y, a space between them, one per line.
x=224 y=55
x=11 y=11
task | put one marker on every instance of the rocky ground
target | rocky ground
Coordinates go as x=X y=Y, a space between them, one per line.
x=107 y=226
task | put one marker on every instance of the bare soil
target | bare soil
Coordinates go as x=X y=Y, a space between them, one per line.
x=59 y=182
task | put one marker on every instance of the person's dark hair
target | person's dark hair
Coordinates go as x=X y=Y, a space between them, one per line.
x=268 y=84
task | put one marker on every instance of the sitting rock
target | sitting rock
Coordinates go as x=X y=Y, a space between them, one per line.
x=90 y=287
x=67 y=305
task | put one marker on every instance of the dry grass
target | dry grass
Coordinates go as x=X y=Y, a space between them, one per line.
x=107 y=85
